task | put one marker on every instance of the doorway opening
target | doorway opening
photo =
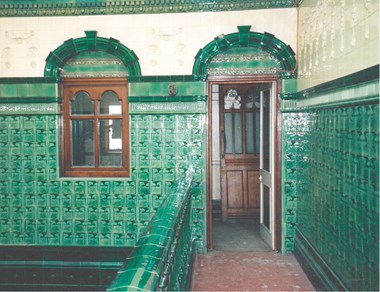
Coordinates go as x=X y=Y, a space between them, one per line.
x=243 y=201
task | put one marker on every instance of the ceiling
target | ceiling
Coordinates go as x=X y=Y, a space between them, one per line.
x=38 y=8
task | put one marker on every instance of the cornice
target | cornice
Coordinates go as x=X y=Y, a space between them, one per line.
x=38 y=8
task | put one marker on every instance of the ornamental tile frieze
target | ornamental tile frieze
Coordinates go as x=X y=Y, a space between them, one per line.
x=17 y=8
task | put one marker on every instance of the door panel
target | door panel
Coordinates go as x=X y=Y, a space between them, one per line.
x=239 y=141
x=235 y=189
x=253 y=197
x=266 y=164
x=242 y=196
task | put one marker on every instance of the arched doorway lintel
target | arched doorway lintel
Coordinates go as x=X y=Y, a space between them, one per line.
x=244 y=38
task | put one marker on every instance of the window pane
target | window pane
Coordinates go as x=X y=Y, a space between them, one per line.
x=110 y=104
x=249 y=132
x=257 y=132
x=110 y=135
x=82 y=104
x=238 y=133
x=228 y=133
x=233 y=133
x=266 y=129
x=82 y=138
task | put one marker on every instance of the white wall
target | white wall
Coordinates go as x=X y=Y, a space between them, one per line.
x=336 y=38
x=166 y=44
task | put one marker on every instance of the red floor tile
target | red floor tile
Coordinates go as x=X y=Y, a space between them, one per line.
x=248 y=271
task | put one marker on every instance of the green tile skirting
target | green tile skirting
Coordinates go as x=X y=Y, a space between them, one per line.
x=319 y=272
x=52 y=268
x=25 y=8
x=162 y=257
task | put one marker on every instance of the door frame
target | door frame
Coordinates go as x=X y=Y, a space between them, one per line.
x=276 y=144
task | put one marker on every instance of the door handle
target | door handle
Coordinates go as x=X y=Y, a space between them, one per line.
x=260 y=178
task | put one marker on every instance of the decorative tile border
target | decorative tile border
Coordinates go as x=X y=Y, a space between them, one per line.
x=167 y=108
x=30 y=8
x=22 y=109
x=172 y=99
x=162 y=78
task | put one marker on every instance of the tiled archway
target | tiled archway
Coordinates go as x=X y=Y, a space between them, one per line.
x=91 y=42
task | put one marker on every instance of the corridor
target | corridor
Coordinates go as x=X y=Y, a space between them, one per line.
x=241 y=261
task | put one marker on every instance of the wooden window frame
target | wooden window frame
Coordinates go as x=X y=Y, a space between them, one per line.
x=95 y=87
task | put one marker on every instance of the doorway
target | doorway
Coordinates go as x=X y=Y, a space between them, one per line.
x=243 y=164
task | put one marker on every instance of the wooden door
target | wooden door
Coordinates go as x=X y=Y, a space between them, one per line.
x=240 y=146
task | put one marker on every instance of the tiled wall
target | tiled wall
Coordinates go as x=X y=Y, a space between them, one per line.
x=331 y=186
x=38 y=207
x=336 y=38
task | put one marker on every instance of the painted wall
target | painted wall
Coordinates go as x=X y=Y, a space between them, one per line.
x=166 y=44
x=336 y=38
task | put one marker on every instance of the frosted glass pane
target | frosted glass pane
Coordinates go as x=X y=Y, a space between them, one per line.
x=257 y=132
x=238 y=133
x=266 y=130
x=228 y=133
x=249 y=132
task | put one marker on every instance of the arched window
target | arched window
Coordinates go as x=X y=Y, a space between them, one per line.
x=95 y=127
x=94 y=89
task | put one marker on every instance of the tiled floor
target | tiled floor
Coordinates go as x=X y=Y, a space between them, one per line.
x=242 y=261
x=248 y=271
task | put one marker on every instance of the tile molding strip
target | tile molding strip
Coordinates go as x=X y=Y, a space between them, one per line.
x=168 y=108
x=30 y=100
x=103 y=7
x=335 y=104
x=182 y=98
x=162 y=78
x=29 y=109
x=27 y=80
x=318 y=270
x=365 y=75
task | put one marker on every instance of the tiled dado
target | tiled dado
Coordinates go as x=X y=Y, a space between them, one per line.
x=39 y=208
x=10 y=8
x=330 y=183
x=338 y=211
